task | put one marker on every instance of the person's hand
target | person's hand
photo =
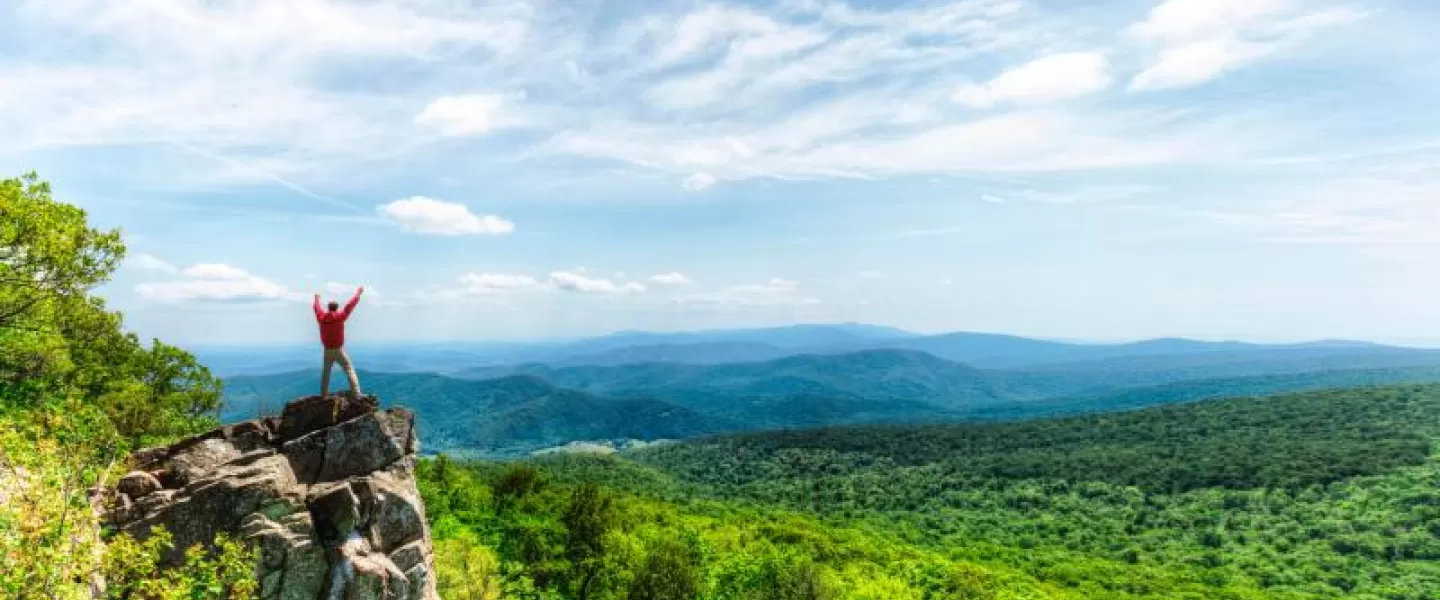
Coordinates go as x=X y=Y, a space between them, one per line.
x=362 y=290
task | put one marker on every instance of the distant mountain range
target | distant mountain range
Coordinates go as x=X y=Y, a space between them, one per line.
x=753 y=345
x=503 y=409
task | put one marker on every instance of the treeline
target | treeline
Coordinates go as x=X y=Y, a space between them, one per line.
x=77 y=392
x=536 y=529
x=528 y=532
x=1289 y=442
x=1317 y=495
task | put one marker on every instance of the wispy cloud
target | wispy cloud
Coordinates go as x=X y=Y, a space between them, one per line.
x=1196 y=41
x=672 y=278
x=258 y=85
x=707 y=94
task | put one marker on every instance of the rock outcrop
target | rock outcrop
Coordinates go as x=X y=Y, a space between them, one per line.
x=326 y=491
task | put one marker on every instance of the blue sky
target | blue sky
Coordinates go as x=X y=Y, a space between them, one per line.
x=1255 y=169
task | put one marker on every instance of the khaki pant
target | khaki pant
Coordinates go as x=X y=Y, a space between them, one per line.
x=333 y=355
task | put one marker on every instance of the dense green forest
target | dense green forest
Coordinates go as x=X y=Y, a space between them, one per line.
x=77 y=392
x=1329 y=494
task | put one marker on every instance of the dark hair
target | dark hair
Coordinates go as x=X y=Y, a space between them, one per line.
x=334 y=306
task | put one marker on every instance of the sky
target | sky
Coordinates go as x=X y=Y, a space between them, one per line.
x=1219 y=169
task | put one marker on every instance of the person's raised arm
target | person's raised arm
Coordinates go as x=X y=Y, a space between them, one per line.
x=349 y=306
x=317 y=306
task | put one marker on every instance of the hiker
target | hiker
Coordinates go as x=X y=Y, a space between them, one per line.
x=332 y=335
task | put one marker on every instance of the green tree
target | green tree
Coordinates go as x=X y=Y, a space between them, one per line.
x=515 y=484
x=466 y=569
x=57 y=341
x=76 y=390
x=48 y=253
x=168 y=392
x=589 y=518
x=671 y=572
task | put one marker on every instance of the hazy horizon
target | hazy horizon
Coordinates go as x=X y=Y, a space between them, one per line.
x=1259 y=170
x=373 y=343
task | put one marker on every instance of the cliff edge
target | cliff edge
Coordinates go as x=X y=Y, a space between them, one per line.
x=326 y=491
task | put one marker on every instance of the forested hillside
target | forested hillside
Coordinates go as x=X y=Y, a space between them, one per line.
x=533 y=406
x=1329 y=494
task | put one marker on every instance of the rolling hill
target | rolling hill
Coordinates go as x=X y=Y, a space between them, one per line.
x=875 y=374
x=512 y=409
x=712 y=347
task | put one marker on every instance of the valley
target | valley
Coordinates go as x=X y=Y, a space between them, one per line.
x=517 y=407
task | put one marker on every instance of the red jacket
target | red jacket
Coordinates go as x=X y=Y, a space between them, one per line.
x=332 y=324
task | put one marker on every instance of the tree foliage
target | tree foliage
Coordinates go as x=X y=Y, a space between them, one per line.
x=58 y=341
x=1321 y=495
x=51 y=542
x=77 y=392
x=671 y=571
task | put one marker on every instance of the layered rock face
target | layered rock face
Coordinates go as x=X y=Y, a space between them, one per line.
x=326 y=491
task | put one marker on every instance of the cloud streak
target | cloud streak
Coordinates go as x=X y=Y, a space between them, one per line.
x=1046 y=79
x=720 y=92
x=1201 y=40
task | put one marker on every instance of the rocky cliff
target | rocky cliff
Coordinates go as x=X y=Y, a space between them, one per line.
x=326 y=491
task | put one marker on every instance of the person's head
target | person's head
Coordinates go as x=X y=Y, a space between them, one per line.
x=333 y=306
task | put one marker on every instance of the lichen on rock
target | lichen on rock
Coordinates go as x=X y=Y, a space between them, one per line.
x=326 y=492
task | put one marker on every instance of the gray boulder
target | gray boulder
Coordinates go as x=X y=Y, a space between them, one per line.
x=138 y=484
x=326 y=493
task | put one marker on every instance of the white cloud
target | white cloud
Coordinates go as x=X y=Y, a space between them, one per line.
x=1200 y=40
x=709 y=27
x=151 y=263
x=673 y=278
x=464 y=115
x=1196 y=62
x=485 y=284
x=419 y=214
x=698 y=182
x=577 y=281
x=1046 y=79
x=214 y=283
